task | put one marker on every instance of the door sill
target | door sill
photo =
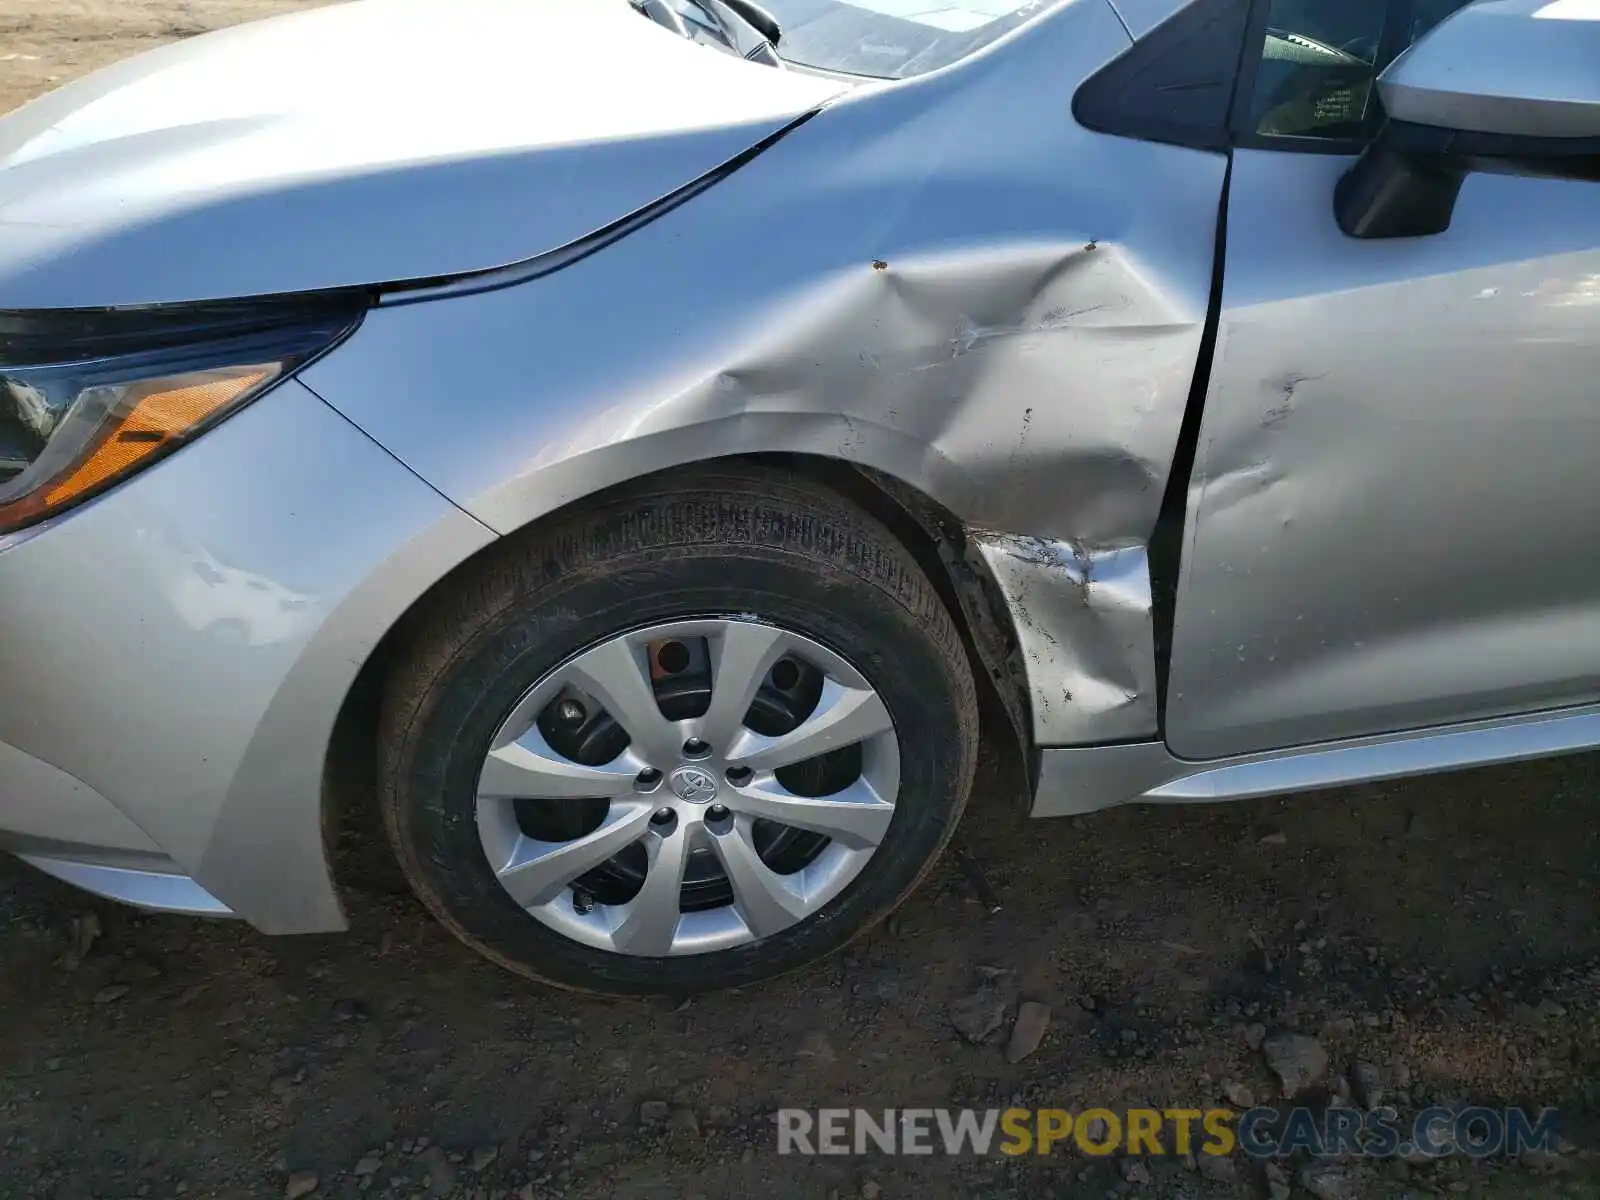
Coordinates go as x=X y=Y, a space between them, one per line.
x=1087 y=778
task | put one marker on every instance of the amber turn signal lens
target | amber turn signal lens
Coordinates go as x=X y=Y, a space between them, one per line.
x=152 y=422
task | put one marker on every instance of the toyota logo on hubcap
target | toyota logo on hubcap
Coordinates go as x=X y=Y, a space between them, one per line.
x=694 y=784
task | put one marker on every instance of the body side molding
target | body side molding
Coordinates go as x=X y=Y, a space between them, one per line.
x=1086 y=779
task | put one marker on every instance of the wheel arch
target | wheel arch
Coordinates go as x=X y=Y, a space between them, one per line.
x=937 y=539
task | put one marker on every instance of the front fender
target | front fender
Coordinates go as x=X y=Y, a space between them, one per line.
x=913 y=281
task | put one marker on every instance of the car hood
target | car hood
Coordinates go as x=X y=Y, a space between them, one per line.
x=365 y=143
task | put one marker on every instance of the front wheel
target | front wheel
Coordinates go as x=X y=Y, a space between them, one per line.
x=699 y=734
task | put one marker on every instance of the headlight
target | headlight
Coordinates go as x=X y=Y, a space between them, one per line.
x=89 y=397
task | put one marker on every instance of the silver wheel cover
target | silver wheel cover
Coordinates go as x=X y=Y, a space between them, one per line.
x=683 y=786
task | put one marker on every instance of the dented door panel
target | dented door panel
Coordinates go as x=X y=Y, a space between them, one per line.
x=1393 y=514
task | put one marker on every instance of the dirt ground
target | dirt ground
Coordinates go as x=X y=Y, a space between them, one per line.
x=1444 y=932
x=44 y=43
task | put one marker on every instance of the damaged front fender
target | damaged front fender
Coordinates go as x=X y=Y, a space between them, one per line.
x=1084 y=632
x=946 y=281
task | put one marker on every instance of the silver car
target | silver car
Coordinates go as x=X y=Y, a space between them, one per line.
x=661 y=435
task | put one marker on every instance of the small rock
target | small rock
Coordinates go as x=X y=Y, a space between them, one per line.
x=301 y=1183
x=1129 y=1035
x=654 y=1112
x=885 y=991
x=976 y=1016
x=816 y=1045
x=1237 y=1094
x=1297 y=1060
x=1368 y=1083
x=109 y=995
x=1544 y=1162
x=370 y=1165
x=1254 y=1035
x=526 y=1192
x=1135 y=1172
x=683 y=1121
x=1548 y=1008
x=350 y=1010
x=282 y=1086
x=871 y=1191
x=1328 y=1182
x=52 y=1064
x=1338 y=1027
x=1277 y=838
x=441 y=1174
x=1217 y=1168
x=1277 y=1191
x=85 y=932
x=1275 y=1173
x=1032 y=1021
x=481 y=1158
x=138 y=970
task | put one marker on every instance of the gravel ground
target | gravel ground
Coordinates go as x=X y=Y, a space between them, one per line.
x=1442 y=934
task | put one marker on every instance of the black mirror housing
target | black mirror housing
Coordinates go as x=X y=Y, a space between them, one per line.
x=1406 y=181
x=1392 y=193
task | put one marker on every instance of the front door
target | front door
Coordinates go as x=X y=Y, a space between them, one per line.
x=1394 y=514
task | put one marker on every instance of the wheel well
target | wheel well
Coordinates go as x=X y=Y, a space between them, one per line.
x=358 y=848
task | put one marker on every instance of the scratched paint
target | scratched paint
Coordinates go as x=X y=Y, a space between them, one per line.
x=1083 y=626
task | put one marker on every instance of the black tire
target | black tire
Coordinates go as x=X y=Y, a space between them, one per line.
x=722 y=539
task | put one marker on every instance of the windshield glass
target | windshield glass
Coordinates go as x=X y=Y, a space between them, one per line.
x=892 y=39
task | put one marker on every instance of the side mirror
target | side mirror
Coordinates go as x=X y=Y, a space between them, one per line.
x=1504 y=84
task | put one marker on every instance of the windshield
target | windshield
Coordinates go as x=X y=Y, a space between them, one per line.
x=892 y=39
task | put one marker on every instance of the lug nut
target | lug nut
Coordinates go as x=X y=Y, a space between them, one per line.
x=695 y=748
x=661 y=816
x=717 y=812
x=647 y=779
x=739 y=776
x=571 y=712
